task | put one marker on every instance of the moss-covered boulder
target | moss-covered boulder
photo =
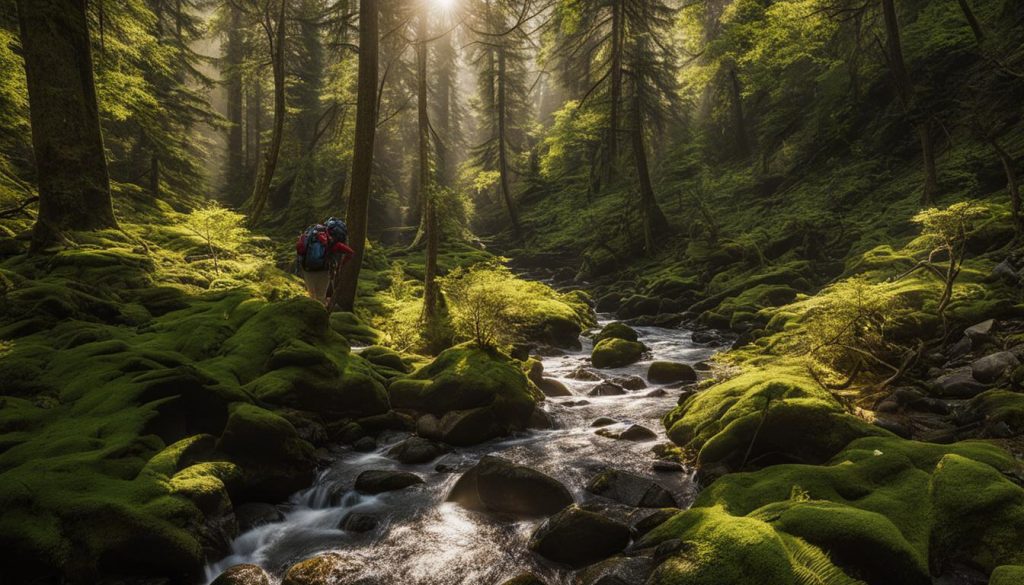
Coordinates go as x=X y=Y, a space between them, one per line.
x=764 y=416
x=884 y=509
x=616 y=353
x=332 y=567
x=245 y=574
x=661 y=372
x=616 y=330
x=998 y=408
x=477 y=394
x=385 y=358
x=1007 y=575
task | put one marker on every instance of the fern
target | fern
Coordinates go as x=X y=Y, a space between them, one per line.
x=812 y=566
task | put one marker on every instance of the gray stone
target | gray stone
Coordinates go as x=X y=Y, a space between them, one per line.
x=982 y=331
x=957 y=384
x=630 y=489
x=606 y=389
x=630 y=382
x=376 y=481
x=553 y=388
x=578 y=537
x=358 y=522
x=603 y=422
x=253 y=514
x=960 y=348
x=498 y=485
x=243 y=575
x=666 y=466
x=991 y=367
x=417 y=450
x=631 y=433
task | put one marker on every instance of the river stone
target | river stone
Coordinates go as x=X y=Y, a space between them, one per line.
x=653 y=520
x=332 y=568
x=616 y=353
x=656 y=393
x=498 y=485
x=616 y=330
x=606 y=389
x=377 y=481
x=991 y=367
x=578 y=537
x=428 y=426
x=365 y=444
x=245 y=574
x=982 y=331
x=524 y=579
x=630 y=382
x=957 y=384
x=631 y=433
x=666 y=466
x=960 y=348
x=253 y=514
x=630 y=489
x=540 y=420
x=417 y=450
x=358 y=522
x=576 y=403
x=585 y=375
x=552 y=387
x=661 y=372
x=603 y=422
x=622 y=570
x=469 y=427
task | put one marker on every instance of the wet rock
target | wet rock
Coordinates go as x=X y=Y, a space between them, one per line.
x=428 y=426
x=603 y=422
x=451 y=463
x=358 y=522
x=656 y=393
x=636 y=433
x=365 y=444
x=616 y=353
x=521 y=351
x=630 y=489
x=667 y=466
x=253 y=514
x=661 y=372
x=376 y=481
x=991 y=367
x=469 y=427
x=630 y=382
x=245 y=574
x=609 y=303
x=535 y=371
x=618 y=571
x=524 y=579
x=606 y=389
x=616 y=330
x=893 y=426
x=585 y=375
x=541 y=420
x=653 y=520
x=982 y=331
x=498 y=485
x=334 y=568
x=957 y=384
x=576 y=403
x=703 y=337
x=553 y=388
x=637 y=305
x=417 y=450
x=1004 y=271
x=577 y=537
x=702 y=366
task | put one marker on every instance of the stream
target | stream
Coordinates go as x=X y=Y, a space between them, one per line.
x=421 y=539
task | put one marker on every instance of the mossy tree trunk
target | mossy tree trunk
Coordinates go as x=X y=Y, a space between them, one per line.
x=654 y=221
x=429 y=219
x=1012 y=183
x=362 y=157
x=74 y=186
x=234 y=53
x=276 y=39
x=738 y=119
x=503 y=170
x=615 y=89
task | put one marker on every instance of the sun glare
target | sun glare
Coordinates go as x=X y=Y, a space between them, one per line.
x=444 y=5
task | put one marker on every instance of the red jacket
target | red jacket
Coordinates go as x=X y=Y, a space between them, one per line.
x=344 y=249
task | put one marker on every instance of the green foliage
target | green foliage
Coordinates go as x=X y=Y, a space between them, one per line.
x=222 y=230
x=482 y=305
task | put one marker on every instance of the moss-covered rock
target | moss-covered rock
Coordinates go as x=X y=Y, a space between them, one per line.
x=661 y=372
x=616 y=330
x=616 y=353
x=477 y=393
x=1007 y=575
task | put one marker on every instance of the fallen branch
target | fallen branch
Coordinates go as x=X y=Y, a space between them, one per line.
x=7 y=213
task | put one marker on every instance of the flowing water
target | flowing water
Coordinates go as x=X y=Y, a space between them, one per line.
x=421 y=539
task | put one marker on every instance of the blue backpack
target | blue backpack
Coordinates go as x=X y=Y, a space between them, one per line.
x=312 y=248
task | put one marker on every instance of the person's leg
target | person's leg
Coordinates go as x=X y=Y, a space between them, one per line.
x=316 y=284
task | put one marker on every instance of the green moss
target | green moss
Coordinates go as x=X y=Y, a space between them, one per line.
x=1000 y=406
x=1007 y=575
x=616 y=353
x=616 y=330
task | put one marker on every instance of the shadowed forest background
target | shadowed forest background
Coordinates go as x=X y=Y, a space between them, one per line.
x=767 y=251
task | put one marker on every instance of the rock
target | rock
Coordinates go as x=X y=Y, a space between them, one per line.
x=616 y=353
x=524 y=579
x=576 y=403
x=609 y=303
x=703 y=337
x=476 y=425
x=540 y=420
x=498 y=485
x=960 y=348
x=991 y=367
x=616 y=330
x=578 y=537
x=666 y=466
x=656 y=393
x=416 y=450
x=631 y=433
x=893 y=426
x=630 y=382
x=253 y=514
x=552 y=387
x=982 y=331
x=358 y=522
x=653 y=520
x=334 y=568
x=365 y=444
x=245 y=574
x=661 y=372
x=521 y=351
x=630 y=489
x=622 y=570
x=702 y=366
x=638 y=305
x=1005 y=272
x=957 y=384
x=585 y=375
x=382 y=356
x=606 y=389
x=376 y=481
x=603 y=422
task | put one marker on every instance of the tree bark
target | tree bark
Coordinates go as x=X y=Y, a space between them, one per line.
x=74 y=186
x=506 y=192
x=362 y=156
x=234 y=54
x=429 y=222
x=738 y=120
x=906 y=94
x=615 y=90
x=1012 y=183
x=276 y=37
x=972 y=21
x=653 y=219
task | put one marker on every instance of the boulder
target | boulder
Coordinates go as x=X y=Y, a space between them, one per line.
x=656 y=393
x=982 y=331
x=616 y=353
x=384 y=357
x=253 y=514
x=630 y=382
x=638 y=305
x=578 y=537
x=667 y=466
x=960 y=348
x=636 y=433
x=585 y=375
x=630 y=489
x=541 y=420
x=957 y=384
x=991 y=367
x=498 y=485
x=524 y=579
x=358 y=522
x=416 y=450
x=376 y=481
x=245 y=574
x=334 y=568
x=365 y=444
x=606 y=389
x=621 y=570
x=609 y=303
x=552 y=387
x=616 y=330
x=603 y=422
x=661 y=372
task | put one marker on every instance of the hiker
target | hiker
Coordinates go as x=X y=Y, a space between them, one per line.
x=321 y=252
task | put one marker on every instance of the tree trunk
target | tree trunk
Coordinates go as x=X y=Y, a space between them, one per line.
x=74 y=187
x=429 y=222
x=615 y=90
x=653 y=218
x=738 y=120
x=253 y=131
x=234 y=175
x=154 y=175
x=362 y=156
x=261 y=190
x=906 y=94
x=979 y=34
x=1012 y=183
x=506 y=192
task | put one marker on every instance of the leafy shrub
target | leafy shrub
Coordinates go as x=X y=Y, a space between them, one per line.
x=220 y=229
